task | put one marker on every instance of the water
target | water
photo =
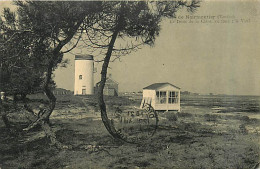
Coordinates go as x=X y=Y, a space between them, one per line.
x=250 y=104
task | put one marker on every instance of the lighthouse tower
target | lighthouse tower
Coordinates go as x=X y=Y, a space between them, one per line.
x=84 y=77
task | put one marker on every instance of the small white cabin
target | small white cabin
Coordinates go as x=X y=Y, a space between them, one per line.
x=162 y=96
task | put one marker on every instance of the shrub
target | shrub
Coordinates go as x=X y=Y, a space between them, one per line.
x=171 y=116
x=245 y=119
x=181 y=114
x=210 y=117
x=243 y=129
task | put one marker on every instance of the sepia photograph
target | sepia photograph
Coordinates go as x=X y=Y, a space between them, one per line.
x=135 y=84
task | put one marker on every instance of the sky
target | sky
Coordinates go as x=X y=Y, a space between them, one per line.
x=218 y=55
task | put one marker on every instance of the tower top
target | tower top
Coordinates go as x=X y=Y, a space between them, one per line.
x=83 y=57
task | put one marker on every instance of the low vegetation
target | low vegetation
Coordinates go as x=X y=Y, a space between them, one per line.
x=193 y=138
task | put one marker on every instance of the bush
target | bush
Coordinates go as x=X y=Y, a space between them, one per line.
x=210 y=117
x=243 y=129
x=245 y=119
x=182 y=114
x=171 y=116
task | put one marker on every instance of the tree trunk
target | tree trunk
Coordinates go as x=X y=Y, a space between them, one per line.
x=44 y=115
x=109 y=126
x=107 y=122
x=15 y=98
x=6 y=121
x=51 y=135
x=4 y=114
x=48 y=91
x=23 y=96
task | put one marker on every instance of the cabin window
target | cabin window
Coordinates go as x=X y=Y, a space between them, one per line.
x=80 y=77
x=173 y=97
x=161 y=97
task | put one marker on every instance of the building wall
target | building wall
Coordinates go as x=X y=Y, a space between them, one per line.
x=84 y=68
x=113 y=86
x=147 y=95
x=110 y=88
x=111 y=92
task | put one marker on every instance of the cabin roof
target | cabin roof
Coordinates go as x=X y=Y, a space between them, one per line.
x=159 y=85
